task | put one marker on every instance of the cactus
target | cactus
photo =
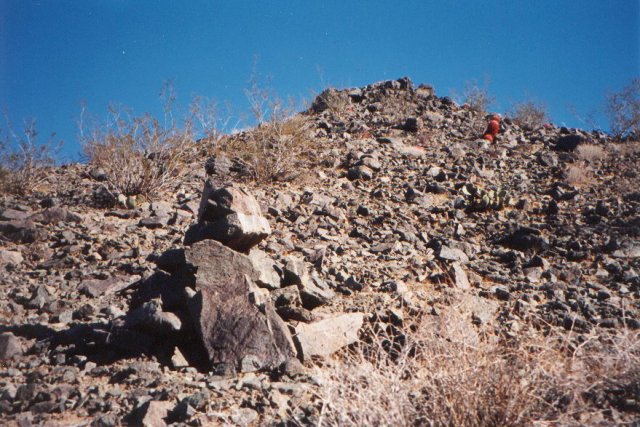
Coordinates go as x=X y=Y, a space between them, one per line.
x=479 y=200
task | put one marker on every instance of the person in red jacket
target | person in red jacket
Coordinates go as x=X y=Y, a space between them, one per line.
x=492 y=128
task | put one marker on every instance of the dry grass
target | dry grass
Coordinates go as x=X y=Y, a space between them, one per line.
x=278 y=150
x=139 y=156
x=591 y=152
x=446 y=374
x=578 y=174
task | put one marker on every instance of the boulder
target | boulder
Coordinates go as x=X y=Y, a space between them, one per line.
x=154 y=413
x=327 y=336
x=238 y=326
x=314 y=291
x=568 y=142
x=461 y=281
x=151 y=318
x=13 y=215
x=96 y=287
x=231 y=216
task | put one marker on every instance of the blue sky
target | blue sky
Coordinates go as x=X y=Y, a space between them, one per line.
x=56 y=54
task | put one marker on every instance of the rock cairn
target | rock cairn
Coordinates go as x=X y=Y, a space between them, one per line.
x=215 y=303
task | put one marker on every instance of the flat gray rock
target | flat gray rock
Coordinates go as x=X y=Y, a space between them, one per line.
x=329 y=335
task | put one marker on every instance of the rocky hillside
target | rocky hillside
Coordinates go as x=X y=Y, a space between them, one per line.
x=228 y=301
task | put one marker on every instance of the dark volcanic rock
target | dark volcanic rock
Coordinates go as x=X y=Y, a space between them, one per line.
x=239 y=329
x=524 y=239
x=568 y=142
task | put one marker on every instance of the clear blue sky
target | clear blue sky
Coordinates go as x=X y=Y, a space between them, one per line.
x=55 y=54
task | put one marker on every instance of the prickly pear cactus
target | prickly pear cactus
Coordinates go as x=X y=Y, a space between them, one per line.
x=478 y=199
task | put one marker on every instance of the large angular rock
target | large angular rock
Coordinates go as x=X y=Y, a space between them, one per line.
x=231 y=216
x=55 y=215
x=153 y=413
x=96 y=287
x=327 y=336
x=239 y=327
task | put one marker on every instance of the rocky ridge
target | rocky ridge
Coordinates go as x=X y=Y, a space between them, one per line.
x=208 y=305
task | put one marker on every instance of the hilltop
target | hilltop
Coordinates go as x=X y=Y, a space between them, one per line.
x=407 y=271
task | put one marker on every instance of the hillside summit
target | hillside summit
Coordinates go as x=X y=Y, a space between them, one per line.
x=404 y=272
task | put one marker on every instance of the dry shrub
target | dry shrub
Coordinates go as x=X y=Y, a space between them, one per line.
x=591 y=152
x=623 y=109
x=23 y=161
x=476 y=97
x=139 y=156
x=446 y=374
x=279 y=148
x=578 y=174
x=142 y=156
x=529 y=115
x=330 y=99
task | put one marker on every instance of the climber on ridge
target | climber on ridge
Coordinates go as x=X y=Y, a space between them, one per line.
x=492 y=128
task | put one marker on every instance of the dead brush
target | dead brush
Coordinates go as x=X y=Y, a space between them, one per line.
x=138 y=155
x=278 y=150
x=529 y=115
x=591 y=152
x=24 y=163
x=280 y=147
x=446 y=373
x=142 y=156
x=578 y=174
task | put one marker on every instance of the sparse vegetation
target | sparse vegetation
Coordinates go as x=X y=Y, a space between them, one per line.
x=477 y=97
x=279 y=148
x=23 y=161
x=330 y=99
x=578 y=174
x=529 y=114
x=142 y=156
x=590 y=152
x=623 y=110
x=445 y=373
